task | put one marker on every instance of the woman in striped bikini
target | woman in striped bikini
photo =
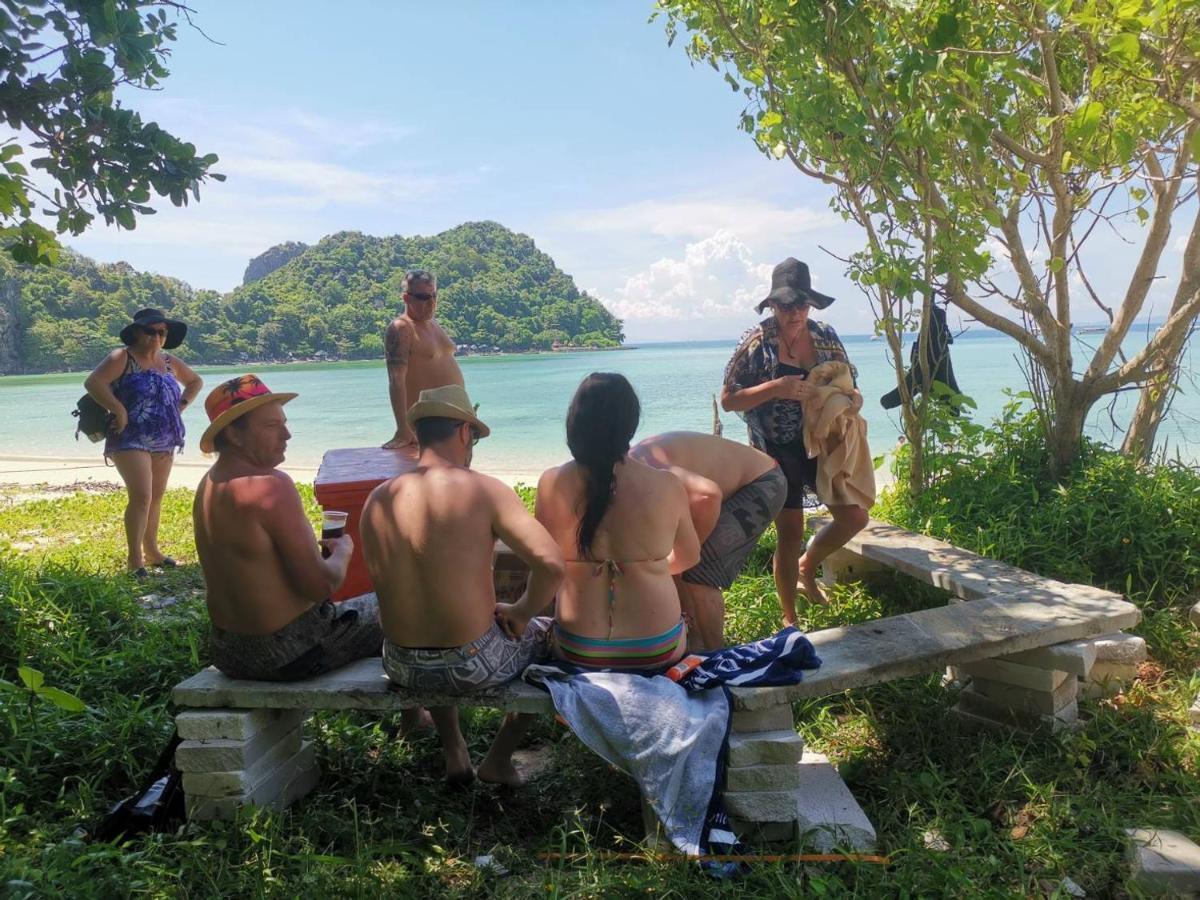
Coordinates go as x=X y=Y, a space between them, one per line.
x=624 y=529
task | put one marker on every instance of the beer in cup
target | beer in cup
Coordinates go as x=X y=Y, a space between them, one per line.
x=333 y=525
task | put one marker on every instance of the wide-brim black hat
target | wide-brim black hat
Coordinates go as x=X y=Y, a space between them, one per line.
x=144 y=317
x=790 y=283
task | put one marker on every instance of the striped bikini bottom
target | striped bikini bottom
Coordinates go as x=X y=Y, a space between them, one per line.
x=656 y=652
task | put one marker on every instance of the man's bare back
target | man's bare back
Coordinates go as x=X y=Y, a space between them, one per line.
x=428 y=539
x=729 y=464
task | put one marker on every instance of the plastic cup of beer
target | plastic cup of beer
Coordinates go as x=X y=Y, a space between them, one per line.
x=333 y=525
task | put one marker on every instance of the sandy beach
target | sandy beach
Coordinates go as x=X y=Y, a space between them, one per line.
x=32 y=477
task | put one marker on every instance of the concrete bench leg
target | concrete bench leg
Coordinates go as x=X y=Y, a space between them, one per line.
x=1039 y=689
x=843 y=566
x=233 y=757
x=775 y=792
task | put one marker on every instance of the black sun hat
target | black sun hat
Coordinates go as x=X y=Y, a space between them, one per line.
x=145 y=317
x=790 y=283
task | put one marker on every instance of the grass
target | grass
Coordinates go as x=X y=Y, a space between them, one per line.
x=1017 y=815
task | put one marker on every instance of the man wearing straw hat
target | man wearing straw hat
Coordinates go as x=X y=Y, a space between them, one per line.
x=428 y=538
x=268 y=584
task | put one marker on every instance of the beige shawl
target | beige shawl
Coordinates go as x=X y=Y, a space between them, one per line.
x=836 y=435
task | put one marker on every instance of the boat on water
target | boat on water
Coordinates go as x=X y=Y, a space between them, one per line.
x=1090 y=329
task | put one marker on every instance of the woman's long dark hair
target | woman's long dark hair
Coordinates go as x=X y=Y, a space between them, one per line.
x=603 y=416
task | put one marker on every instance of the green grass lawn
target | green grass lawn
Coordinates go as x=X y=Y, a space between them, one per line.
x=1017 y=815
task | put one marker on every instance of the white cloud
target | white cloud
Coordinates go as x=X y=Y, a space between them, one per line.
x=716 y=276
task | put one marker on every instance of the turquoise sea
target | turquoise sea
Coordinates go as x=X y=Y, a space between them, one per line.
x=524 y=399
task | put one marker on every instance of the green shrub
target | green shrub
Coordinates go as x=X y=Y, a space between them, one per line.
x=1107 y=522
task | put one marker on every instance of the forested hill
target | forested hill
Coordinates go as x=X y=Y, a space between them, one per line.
x=495 y=288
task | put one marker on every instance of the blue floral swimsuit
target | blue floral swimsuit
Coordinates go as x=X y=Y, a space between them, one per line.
x=152 y=400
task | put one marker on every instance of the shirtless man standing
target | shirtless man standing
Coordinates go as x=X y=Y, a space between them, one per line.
x=420 y=355
x=428 y=540
x=734 y=492
x=268 y=585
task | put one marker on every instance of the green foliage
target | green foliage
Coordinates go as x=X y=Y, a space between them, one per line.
x=101 y=154
x=381 y=824
x=495 y=289
x=1107 y=521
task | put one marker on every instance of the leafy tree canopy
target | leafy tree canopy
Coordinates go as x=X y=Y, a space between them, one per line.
x=61 y=65
x=495 y=288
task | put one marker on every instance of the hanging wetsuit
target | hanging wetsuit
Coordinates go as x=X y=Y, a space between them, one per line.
x=939 y=351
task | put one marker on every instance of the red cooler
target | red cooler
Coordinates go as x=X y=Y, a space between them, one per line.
x=344 y=481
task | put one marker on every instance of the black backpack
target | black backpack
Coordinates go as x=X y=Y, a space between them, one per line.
x=93 y=419
x=157 y=806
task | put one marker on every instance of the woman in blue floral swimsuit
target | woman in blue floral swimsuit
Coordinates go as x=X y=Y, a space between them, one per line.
x=764 y=383
x=145 y=390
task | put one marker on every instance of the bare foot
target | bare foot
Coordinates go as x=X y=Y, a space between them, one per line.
x=458 y=767
x=414 y=720
x=808 y=584
x=500 y=772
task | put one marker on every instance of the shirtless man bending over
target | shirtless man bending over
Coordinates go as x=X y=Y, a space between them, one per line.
x=734 y=492
x=420 y=355
x=268 y=586
x=428 y=539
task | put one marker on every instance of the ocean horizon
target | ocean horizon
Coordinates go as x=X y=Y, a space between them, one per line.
x=523 y=398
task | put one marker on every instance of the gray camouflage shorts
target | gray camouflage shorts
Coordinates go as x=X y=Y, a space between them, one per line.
x=745 y=515
x=320 y=640
x=485 y=663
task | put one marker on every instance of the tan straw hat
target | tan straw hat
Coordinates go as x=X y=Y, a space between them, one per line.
x=450 y=401
x=234 y=399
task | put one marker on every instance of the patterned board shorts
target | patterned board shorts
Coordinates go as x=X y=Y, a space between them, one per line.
x=320 y=640
x=744 y=517
x=485 y=663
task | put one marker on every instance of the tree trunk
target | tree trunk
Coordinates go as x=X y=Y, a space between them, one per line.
x=1066 y=428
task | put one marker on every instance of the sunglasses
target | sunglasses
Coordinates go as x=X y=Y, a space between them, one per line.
x=422 y=297
x=788 y=307
x=475 y=435
x=155 y=332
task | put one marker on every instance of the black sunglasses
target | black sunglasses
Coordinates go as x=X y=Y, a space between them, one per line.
x=475 y=435
x=788 y=307
x=156 y=332
x=421 y=297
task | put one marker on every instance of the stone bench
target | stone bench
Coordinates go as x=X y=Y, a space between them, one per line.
x=242 y=740
x=1102 y=665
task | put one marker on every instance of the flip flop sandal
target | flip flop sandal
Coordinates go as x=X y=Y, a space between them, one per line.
x=140 y=573
x=167 y=563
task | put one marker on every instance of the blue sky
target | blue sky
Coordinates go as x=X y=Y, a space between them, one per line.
x=572 y=122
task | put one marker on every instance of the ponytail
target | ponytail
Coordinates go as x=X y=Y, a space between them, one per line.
x=601 y=422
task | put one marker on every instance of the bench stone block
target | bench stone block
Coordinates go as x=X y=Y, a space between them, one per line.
x=772 y=718
x=844 y=566
x=1109 y=678
x=784 y=777
x=764 y=832
x=765 y=748
x=232 y=724
x=827 y=813
x=1044 y=703
x=1015 y=674
x=1163 y=862
x=227 y=756
x=762 y=806
x=1120 y=648
x=976 y=709
x=1076 y=657
x=285 y=784
x=235 y=782
x=1194 y=615
x=1194 y=714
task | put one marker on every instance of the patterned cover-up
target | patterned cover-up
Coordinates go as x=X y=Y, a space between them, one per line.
x=152 y=400
x=756 y=360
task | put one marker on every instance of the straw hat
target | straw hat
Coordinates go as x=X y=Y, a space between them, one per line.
x=233 y=399
x=450 y=401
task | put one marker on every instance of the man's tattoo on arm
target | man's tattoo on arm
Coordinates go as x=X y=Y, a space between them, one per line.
x=396 y=347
